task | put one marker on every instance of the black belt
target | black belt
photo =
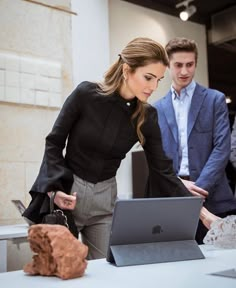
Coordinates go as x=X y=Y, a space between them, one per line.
x=184 y=177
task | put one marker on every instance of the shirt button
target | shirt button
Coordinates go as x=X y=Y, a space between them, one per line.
x=128 y=104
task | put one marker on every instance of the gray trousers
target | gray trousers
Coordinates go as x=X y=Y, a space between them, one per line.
x=93 y=213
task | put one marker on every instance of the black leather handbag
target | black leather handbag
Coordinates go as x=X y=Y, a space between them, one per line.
x=56 y=216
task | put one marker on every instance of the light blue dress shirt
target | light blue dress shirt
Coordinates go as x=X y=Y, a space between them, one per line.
x=181 y=105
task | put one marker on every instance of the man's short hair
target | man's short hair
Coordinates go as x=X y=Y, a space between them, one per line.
x=179 y=44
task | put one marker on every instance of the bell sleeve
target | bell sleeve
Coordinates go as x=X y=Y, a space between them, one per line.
x=162 y=181
x=54 y=173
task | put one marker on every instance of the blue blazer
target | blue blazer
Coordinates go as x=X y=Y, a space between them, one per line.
x=208 y=134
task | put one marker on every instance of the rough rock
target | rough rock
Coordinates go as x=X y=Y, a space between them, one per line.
x=222 y=233
x=58 y=252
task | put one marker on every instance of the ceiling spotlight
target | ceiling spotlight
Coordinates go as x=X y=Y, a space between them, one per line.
x=188 y=11
x=228 y=99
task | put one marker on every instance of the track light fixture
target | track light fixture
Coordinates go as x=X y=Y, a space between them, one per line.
x=188 y=11
x=228 y=99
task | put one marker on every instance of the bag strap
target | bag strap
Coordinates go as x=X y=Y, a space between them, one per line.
x=53 y=194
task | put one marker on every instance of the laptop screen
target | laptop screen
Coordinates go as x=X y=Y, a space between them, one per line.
x=148 y=220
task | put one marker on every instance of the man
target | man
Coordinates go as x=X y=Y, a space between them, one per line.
x=195 y=131
x=233 y=151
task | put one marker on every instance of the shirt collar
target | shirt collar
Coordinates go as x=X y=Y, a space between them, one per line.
x=188 y=90
x=128 y=105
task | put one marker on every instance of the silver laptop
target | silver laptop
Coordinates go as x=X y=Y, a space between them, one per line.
x=152 y=230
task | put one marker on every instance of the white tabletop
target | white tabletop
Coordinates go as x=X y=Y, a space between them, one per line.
x=13 y=231
x=99 y=273
x=10 y=232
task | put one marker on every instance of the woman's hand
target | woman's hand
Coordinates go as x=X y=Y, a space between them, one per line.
x=194 y=189
x=64 y=201
x=207 y=217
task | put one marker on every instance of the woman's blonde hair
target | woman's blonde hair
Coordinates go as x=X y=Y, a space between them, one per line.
x=138 y=53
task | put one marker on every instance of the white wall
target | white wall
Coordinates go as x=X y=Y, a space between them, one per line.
x=127 y=21
x=90 y=40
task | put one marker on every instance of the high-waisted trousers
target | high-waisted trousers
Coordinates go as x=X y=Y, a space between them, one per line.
x=93 y=213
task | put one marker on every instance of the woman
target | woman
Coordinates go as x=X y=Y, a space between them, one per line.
x=99 y=123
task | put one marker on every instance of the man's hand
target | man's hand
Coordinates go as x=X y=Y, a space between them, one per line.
x=194 y=189
x=64 y=201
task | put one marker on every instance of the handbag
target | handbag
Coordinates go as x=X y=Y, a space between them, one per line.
x=56 y=216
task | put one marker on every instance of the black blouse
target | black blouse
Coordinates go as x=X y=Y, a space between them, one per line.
x=97 y=132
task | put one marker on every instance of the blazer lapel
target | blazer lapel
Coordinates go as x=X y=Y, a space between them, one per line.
x=196 y=103
x=170 y=115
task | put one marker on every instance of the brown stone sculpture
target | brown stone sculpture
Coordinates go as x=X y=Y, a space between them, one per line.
x=59 y=253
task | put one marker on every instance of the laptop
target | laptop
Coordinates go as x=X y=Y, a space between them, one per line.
x=21 y=208
x=153 y=230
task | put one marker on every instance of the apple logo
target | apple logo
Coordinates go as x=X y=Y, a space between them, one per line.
x=157 y=229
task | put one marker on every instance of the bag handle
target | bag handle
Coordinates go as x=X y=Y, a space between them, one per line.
x=53 y=194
